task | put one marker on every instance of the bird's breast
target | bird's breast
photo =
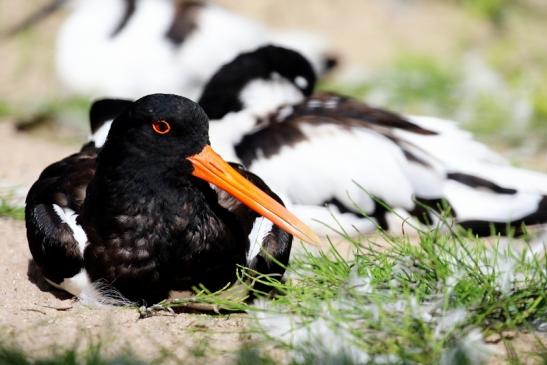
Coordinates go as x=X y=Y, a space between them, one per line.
x=163 y=242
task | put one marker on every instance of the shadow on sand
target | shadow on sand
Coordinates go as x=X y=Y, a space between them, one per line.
x=35 y=276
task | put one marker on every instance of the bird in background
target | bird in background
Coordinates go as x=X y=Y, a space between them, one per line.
x=341 y=162
x=325 y=149
x=131 y=48
x=150 y=208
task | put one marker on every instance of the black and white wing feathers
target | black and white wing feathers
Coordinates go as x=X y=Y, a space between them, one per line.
x=331 y=149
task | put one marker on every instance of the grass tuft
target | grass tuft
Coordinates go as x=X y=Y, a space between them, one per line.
x=11 y=211
x=431 y=300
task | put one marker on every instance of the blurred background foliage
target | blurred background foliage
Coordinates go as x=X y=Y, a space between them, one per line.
x=481 y=62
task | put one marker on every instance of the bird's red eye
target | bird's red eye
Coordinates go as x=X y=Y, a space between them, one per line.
x=161 y=127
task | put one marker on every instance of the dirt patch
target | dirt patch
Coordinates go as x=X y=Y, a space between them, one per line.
x=23 y=157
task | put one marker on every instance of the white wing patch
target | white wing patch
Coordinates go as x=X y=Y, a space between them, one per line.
x=480 y=204
x=261 y=228
x=68 y=216
x=100 y=135
x=329 y=163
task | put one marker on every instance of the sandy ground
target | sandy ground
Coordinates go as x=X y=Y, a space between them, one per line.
x=41 y=321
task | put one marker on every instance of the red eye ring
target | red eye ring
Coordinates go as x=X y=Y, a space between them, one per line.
x=161 y=127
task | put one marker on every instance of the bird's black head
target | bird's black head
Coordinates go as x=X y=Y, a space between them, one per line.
x=157 y=130
x=221 y=94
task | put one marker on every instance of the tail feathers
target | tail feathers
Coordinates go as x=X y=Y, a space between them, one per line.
x=475 y=159
x=93 y=294
x=486 y=228
x=487 y=208
x=482 y=212
x=510 y=177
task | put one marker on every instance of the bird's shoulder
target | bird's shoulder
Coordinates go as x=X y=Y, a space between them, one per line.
x=64 y=182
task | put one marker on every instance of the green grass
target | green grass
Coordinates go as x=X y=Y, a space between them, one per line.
x=417 y=303
x=74 y=104
x=5 y=109
x=431 y=301
x=491 y=10
x=411 y=83
x=68 y=107
x=498 y=12
x=11 y=211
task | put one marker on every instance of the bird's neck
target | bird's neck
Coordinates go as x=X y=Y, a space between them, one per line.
x=263 y=97
x=260 y=99
x=227 y=132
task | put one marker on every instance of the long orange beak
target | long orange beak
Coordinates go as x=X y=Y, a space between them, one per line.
x=209 y=166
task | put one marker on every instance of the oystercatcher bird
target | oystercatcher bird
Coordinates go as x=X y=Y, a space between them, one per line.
x=154 y=209
x=327 y=149
x=103 y=44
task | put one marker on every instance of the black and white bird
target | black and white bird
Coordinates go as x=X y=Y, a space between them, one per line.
x=327 y=150
x=103 y=44
x=153 y=209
